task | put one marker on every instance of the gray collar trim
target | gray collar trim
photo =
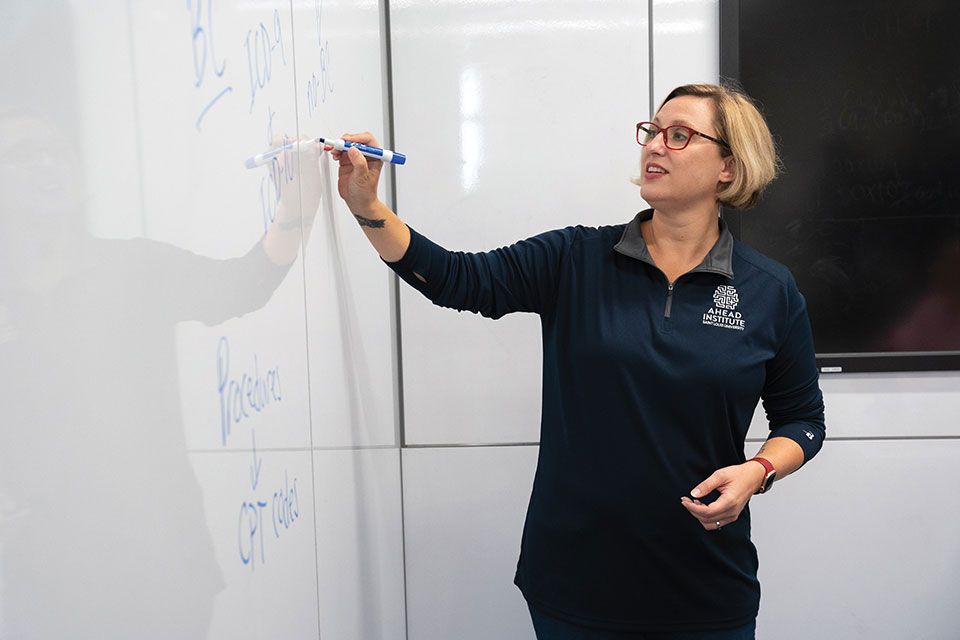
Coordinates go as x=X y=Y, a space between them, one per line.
x=719 y=260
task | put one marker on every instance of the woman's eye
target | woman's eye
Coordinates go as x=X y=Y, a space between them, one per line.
x=679 y=135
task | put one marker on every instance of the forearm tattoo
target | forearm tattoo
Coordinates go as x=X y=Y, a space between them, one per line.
x=372 y=223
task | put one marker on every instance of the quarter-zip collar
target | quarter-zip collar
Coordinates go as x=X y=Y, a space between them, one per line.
x=718 y=260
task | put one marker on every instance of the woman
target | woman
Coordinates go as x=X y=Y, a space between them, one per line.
x=659 y=337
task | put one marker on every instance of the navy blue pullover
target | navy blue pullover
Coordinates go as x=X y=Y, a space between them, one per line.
x=648 y=388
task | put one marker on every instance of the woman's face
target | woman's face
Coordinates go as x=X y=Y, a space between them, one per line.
x=686 y=179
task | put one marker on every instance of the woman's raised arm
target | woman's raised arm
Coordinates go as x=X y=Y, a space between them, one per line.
x=357 y=185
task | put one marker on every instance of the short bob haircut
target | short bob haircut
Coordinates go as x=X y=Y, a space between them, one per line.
x=738 y=122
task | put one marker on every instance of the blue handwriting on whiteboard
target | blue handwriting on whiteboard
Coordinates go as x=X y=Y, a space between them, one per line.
x=271 y=185
x=318 y=11
x=286 y=506
x=201 y=26
x=257 y=462
x=243 y=394
x=318 y=86
x=260 y=45
x=284 y=512
x=248 y=529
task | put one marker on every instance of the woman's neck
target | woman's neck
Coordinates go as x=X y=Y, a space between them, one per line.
x=678 y=242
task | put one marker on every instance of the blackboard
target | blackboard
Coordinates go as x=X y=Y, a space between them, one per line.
x=863 y=99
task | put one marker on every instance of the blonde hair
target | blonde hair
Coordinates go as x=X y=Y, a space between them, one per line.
x=738 y=122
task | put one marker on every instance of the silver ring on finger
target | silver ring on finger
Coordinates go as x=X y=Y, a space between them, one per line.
x=718 y=525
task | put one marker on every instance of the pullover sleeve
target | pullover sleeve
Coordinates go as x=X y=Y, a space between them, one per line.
x=521 y=277
x=791 y=395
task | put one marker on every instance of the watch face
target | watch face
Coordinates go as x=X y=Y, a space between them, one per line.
x=769 y=481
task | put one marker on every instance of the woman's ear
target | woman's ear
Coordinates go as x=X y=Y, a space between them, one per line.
x=729 y=171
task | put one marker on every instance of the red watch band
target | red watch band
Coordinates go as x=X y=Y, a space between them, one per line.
x=770 y=474
x=766 y=464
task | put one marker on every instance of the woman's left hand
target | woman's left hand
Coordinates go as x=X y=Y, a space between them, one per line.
x=736 y=485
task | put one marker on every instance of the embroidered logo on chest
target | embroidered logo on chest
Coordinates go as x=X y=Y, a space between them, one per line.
x=724 y=312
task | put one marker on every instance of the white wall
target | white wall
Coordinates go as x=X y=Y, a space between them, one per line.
x=862 y=544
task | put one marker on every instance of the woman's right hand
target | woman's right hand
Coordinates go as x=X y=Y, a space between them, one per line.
x=359 y=175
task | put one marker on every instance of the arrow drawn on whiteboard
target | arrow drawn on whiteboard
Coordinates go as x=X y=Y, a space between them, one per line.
x=255 y=467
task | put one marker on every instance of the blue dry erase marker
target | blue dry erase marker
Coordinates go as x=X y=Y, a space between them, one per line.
x=340 y=145
x=372 y=152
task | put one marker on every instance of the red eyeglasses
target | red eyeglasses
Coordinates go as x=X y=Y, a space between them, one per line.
x=675 y=137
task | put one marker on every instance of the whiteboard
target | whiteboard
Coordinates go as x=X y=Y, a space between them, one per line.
x=200 y=433
x=533 y=109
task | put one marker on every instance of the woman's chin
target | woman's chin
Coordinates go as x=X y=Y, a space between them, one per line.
x=651 y=195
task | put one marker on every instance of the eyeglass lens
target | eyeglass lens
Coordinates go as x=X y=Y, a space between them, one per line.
x=675 y=137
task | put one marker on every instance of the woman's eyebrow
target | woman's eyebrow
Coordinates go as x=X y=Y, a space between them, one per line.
x=685 y=123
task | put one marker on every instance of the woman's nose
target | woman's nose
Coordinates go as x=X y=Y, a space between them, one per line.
x=657 y=144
